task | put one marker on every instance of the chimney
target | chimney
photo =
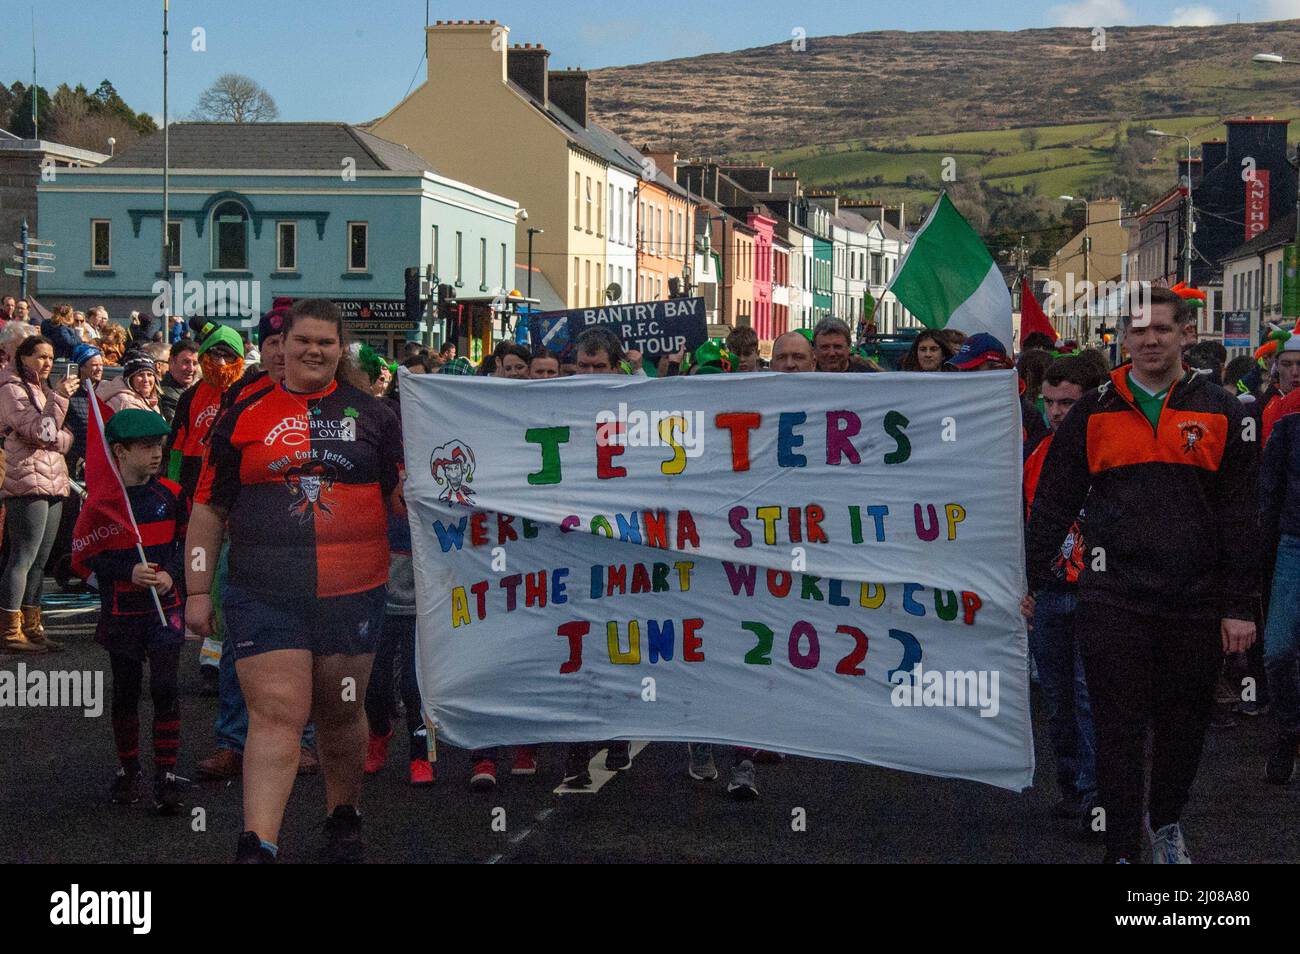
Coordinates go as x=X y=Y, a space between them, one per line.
x=826 y=199
x=1213 y=152
x=526 y=67
x=1197 y=167
x=1262 y=138
x=472 y=50
x=665 y=161
x=569 y=93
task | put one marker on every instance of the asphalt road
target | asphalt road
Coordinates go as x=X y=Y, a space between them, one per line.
x=56 y=766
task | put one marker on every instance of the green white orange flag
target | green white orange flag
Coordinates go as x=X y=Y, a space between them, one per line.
x=948 y=279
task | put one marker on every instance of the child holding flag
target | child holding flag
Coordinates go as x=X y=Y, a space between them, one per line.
x=129 y=534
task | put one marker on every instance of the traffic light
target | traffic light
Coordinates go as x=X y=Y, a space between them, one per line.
x=446 y=300
x=413 y=294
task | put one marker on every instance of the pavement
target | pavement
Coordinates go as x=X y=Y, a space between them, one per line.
x=56 y=766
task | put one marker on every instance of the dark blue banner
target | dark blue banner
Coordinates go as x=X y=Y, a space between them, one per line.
x=655 y=328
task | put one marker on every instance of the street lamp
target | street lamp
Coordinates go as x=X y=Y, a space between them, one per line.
x=531 y=233
x=1087 y=249
x=1187 y=246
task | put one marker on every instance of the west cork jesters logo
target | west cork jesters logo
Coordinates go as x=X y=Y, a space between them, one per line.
x=1192 y=432
x=309 y=485
x=452 y=464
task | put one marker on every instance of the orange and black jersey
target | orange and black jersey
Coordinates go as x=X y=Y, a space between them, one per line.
x=305 y=479
x=196 y=412
x=1172 y=522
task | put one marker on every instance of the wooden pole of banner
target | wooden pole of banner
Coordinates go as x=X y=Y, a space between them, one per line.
x=139 y=548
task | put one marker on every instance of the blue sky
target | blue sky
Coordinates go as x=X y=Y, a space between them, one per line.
x=353 y=59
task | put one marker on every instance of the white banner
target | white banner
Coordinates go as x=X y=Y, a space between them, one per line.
x=827 y=565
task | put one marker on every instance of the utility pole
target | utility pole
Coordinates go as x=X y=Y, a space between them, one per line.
x=166 y=210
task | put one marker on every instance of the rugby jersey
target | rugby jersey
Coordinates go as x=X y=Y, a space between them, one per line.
x=196 y=412
x=305 y=479
x=160 y=515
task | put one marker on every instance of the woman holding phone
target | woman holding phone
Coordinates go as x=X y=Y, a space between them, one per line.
x=33 y=415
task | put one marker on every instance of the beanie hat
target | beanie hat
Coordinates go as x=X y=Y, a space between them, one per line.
x=272 y=323
x=221 y=334
x=83 y=353
x=136 y=361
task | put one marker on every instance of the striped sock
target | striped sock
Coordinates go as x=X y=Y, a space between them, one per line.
x=126 y=735
x=166 y=741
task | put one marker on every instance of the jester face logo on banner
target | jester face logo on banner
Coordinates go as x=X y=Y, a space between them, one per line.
x=452 y=466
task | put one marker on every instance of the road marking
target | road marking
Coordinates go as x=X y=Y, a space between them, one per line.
x=599 y=776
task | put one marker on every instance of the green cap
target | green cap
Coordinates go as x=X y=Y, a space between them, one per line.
x=223 y=334
x=134 y=424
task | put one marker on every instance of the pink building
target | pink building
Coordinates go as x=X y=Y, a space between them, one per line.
x=762 y=226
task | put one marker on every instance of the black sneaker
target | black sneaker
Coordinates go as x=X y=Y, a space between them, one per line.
x=576 y=774
x=128 y=787
x=343 y=844
x=252 y=852
x=618 y=757
x=166 y=794
x=1280 y=766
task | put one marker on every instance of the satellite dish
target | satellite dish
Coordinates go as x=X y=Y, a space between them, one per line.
x=613 y=291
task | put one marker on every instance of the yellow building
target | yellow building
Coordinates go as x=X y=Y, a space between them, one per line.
x=497 y=117
x=1095 y=256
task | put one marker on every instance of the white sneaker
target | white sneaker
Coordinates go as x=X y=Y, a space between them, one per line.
x=1168 y=846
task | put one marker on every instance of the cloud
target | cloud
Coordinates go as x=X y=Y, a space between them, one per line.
x=1090 y=13
x=1280 y=10
x=1195 y=16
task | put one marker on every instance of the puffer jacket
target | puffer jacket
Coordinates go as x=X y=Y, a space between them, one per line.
x=34 y=467
x=117 y=394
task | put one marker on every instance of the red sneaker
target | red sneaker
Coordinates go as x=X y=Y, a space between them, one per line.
x=422 y=773
x=377 y=752
x=525 y=760
x=484 y=776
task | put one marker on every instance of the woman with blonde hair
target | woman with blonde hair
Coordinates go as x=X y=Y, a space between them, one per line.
x=113 y=343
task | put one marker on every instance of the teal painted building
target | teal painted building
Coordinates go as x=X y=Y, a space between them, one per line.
x=823 y=276
x=262 y=210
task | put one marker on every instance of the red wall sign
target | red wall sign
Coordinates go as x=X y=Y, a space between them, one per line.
x=1257 y=204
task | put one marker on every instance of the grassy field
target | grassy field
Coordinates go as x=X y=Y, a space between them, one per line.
x=1066 y=159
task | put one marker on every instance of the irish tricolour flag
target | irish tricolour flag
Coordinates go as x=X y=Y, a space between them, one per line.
x=948 y=279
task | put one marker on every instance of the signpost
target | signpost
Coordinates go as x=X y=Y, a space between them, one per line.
x=29 y=260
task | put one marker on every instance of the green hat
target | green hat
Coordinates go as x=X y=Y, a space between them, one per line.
x=712 y=357
x=223 y=334
x=134 y=424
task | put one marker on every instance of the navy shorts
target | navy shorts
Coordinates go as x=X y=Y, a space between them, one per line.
x=338 y=625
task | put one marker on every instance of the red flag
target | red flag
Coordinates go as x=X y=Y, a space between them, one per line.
x=105 y=521
x=1031 y=314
